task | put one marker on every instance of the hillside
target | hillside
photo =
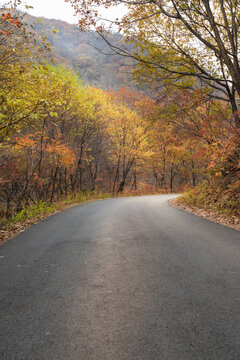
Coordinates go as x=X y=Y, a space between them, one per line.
x=86 y=53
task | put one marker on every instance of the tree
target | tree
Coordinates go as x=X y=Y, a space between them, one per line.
x=181 y=41
x=19 y=50
x=127 y=134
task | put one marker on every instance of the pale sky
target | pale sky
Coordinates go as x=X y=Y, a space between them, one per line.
x=53 y=9
x=60 y=10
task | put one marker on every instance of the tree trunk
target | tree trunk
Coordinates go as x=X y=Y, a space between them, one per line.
x=116 y=175
x=54 y=184
x=194 y=176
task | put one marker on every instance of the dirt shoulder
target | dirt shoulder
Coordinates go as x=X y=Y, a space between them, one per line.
x=232 y=222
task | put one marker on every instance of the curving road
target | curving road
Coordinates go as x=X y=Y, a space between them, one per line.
x=122 y=279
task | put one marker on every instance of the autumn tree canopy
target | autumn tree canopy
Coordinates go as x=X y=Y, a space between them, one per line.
x=59 y=138
x=179 y=41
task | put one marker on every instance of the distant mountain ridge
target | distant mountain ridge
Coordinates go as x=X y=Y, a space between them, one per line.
x=80 y=50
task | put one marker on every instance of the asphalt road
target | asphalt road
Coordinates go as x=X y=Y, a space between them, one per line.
x=122 y=279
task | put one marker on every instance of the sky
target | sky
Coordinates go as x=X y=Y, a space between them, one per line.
x=60 y=10
x=53 y=9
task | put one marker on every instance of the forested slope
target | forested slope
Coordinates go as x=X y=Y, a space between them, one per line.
x=85 y=52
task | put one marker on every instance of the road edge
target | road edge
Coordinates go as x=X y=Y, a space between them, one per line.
x=231 y=222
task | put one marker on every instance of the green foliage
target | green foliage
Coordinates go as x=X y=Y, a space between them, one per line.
x=32 y=212
x=81 y=197
x=42 y=209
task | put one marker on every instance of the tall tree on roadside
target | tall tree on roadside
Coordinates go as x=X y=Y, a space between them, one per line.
x=19 y=50
x=179 y=40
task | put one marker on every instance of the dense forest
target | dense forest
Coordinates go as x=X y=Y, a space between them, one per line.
x=60 y=135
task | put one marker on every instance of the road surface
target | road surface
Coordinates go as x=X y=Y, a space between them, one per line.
x=121 y=279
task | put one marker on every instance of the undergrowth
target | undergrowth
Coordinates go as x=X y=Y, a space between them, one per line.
x=220 y=196
x=41 y=209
